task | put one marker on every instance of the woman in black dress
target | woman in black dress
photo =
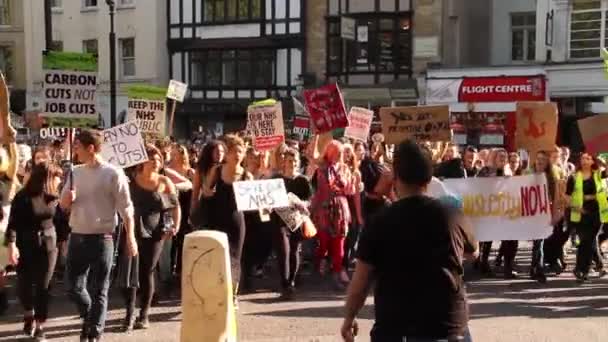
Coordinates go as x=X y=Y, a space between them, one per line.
x=222 y=213
x=32 y=241
x=157 y=215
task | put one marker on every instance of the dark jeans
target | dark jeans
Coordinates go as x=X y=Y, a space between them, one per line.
x=537 y=255
x=349 y=245
x=34 y=274
x=554 y=244
x=508 y=249
x=287 y=246
x=587 y=231
x=90 y=254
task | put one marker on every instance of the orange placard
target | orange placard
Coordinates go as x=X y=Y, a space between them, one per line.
x=536 y=126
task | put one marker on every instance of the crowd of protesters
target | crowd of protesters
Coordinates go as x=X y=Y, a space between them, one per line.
x=342 y=185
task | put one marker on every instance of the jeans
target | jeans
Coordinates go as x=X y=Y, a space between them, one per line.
x=537 y=255
x=94 y=254
x=34 y=273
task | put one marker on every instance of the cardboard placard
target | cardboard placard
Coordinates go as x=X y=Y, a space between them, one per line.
x=326 y=108
x=292 y=215
x=594 y=131
x=149 y=113
x=70 y=87
x=301 y=127
x=420 y=123
x=123 y=145
x=177 y=90
x=359 y=123
x=260 y=194
x=265 y=123
x=536 y=126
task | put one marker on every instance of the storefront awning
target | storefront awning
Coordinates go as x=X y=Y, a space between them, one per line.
x=399 y=90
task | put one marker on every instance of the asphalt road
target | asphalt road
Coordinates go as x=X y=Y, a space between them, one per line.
x=509 y=311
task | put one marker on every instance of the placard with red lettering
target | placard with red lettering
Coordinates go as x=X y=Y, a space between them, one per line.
x=301 y=127
x=359 y=123
x=265 y=122
x=326 y=108
x=499 y=208
x=594 y=133
x=536 y=126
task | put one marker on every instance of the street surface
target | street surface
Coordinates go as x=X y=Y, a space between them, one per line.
x=501 y=311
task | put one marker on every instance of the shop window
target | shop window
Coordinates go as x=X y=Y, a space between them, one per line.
x=586 y=22
x=5 y=12
x=232 y=68
x=523 y=37
x=218 y=11
x=89 y=46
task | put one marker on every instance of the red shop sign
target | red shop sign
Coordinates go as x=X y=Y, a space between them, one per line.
x=503 y=89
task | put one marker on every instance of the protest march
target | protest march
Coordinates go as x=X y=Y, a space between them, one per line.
x=365 y=197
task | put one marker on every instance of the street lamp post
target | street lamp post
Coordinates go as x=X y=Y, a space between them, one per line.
x=111 y=4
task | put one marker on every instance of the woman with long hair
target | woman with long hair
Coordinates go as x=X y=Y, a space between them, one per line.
x=586 y=195
x=542 y=165
x=223 y=214
x=157 y=215
x=211 y=156
x=331 y=213
x=33 y=244
x=354 y=202
x=180 y=163
x=498 y=166
x=288 y=243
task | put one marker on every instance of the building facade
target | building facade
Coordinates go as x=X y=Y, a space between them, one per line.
x=84 y=26
x=12 y=51
x=232 y=53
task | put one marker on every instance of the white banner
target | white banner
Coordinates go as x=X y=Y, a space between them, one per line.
x=505 y=208
x=260 y=194
x=123 y=145
x=177 y=90
x=359 y=123
x=149 y=113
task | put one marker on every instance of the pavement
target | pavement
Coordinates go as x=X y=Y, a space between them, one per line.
x=501 y=311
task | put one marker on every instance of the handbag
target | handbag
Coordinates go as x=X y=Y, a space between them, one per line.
x=309 y=230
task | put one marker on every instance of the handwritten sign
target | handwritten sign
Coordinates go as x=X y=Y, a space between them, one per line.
x=326 y=108
x=177 y=90
x=123 y=145
x=594 y=133
x=292 y=215
x=536 y=126
x=149 y=113
x=265 y=123
x=421 y=123
x=56 y=132
x=260 y=194
x=359 y=123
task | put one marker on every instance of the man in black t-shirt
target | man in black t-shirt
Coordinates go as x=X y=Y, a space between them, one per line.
x=413 y=252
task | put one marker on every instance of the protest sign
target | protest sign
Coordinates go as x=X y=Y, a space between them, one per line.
x=594 y=133
x=147 y=106
x=499 y=208
x=265 y=122
x=260 y=194
x=359 y=123
x=177 y=90
x=421 y=123
x=301 y=127
x=293 y=216
x=326 y=108
x=123 y=145
x=536 y=126
x=70 y=86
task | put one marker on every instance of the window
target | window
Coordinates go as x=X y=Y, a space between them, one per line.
x=126 y=2
x=90 y=3
x=231 y=10
x=233 y=68
x=6 y=62
x=588 y=28
x=523 y=36
x=382 y=45
x=57 y=45
x=55 y=3
x=127 y=57
x=5 y=12
x=89 y=46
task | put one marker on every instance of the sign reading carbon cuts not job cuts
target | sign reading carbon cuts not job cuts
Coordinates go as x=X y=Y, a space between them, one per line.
x=123 y=145
x=70 y=86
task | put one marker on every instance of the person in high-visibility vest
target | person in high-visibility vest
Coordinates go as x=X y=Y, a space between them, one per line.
x=588 y=211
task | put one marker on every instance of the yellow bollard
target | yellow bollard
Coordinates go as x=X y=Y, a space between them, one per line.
x=207 y=299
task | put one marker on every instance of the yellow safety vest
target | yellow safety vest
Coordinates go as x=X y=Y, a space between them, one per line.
x=578 y=198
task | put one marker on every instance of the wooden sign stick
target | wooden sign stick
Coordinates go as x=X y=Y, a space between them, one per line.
x=173 y=107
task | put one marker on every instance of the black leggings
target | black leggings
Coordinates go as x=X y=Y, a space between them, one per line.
x=587 y=230
x=34 y=274
x=287 y=246
x=149 y=255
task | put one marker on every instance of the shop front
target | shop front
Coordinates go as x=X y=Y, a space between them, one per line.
x=483 y=101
